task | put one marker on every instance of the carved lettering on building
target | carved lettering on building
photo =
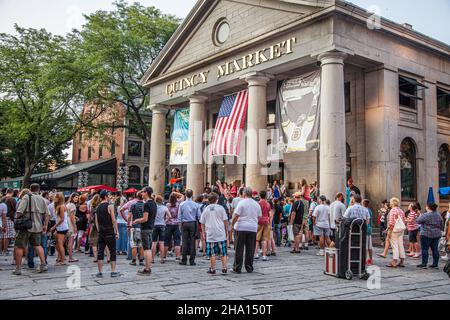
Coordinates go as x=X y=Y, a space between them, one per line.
x=261 y=56
x=187 y=82
x=271 y=53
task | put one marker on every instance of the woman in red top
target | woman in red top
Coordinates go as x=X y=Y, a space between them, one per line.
x=396 y=240
x=306 y=191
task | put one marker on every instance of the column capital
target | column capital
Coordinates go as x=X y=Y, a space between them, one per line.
x=257 y=78
x=332 y=57
x=197 y=98
x=159 y=109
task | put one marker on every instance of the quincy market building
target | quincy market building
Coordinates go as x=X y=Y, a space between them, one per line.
x=385 y=111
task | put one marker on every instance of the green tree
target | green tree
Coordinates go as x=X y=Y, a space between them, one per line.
x=114 y=50
x=40 y=99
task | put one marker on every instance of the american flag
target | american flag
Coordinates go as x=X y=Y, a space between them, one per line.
x=230 y=124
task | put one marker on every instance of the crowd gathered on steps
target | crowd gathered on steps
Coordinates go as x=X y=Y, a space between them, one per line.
x=182 y=226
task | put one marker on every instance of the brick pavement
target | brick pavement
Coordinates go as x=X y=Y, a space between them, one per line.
x=285 y=276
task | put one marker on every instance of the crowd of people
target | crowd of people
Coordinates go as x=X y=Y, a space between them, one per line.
x=144 y=225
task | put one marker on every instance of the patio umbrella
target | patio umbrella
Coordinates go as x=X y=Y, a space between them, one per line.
x=444 y=191
x=431 y=196
x=131 y=190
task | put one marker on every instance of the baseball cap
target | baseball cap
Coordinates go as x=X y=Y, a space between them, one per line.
x=148 y=190
x=104 y=193
x=255 y=193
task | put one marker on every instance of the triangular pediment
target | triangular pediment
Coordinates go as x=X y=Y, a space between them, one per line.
x=195 y=40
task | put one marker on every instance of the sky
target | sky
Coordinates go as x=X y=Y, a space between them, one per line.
x=429 y=17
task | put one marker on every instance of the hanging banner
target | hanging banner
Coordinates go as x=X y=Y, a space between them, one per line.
x=298 y=115
x=180 y=138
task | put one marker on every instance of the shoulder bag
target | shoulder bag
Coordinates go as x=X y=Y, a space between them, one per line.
x=25 y=223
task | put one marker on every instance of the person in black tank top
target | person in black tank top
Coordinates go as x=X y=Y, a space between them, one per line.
x=107 y=233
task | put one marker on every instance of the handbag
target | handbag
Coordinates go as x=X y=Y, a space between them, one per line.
x=399 y=225
x=290 y=231
x=24 y=224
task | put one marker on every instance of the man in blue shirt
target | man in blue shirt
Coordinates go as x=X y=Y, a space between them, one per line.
x=189 y=214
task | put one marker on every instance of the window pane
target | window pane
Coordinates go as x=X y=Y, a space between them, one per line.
x=444 y=168
x=134 y=148
x=347 y=97
x=443 y=103
x=134 y=175
x=408 y=170
x=410 y=89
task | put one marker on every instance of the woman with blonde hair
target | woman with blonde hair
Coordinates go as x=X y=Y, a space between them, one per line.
x=397 y=227
x=61 y=227
x=71 y=206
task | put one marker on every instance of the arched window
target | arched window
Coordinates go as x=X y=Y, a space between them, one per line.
x=349 y=162
x=146 y=176
x=135 y=175
x=444 y=167
x=408 y=170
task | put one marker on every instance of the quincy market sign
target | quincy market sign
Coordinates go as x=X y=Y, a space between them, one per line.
x=248 y=61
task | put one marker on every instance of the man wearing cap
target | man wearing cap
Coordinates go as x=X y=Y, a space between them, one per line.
x=321 y=221
x=147 y=223
x=299 y=219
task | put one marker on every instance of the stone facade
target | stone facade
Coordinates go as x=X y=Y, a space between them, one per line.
x=335 y=37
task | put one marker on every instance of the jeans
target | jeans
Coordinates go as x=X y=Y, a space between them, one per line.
x=245 y=240
x=278 y=234
x=30 y=255
x=426 y=243
x=188 y=232
x=121 y=243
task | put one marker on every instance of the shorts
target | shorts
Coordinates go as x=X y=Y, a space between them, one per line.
x=172 y=234
x=369 y=243
x=263 y=233
x=93 y=237
x=310 y=225
x=62 y=232
x=297 y=229
x=158 y=233
x=146 y=236
x=135 y=238
x=412 y=235
x=10 y=232
x=218 y=248
x=25 y=237
x=318 y=231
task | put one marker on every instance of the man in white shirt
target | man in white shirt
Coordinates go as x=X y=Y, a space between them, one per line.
x=321 y=221
x=337 y=210
x=357 y=211
x=214 y=221
x=245 y=223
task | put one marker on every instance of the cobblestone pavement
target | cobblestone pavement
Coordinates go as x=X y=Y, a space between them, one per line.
x=286 y=276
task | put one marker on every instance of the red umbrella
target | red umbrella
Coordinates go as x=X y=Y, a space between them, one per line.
x=100 y=187
x=132 y=190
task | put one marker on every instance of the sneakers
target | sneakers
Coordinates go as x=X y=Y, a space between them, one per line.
x=17 y=272
x=141 y=263
x=115 y=274
x=264 y=258
x=423 y=266
x=256 y=257
x=417 y=256
x=144 y=272
x=42 y=268
x=99 y=275
x=224 y=271
x=133 y=263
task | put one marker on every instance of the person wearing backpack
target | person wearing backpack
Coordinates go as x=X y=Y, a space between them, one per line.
x=31 y=223
x=397 y=227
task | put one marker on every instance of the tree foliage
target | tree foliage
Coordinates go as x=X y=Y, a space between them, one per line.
x=115 y=49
